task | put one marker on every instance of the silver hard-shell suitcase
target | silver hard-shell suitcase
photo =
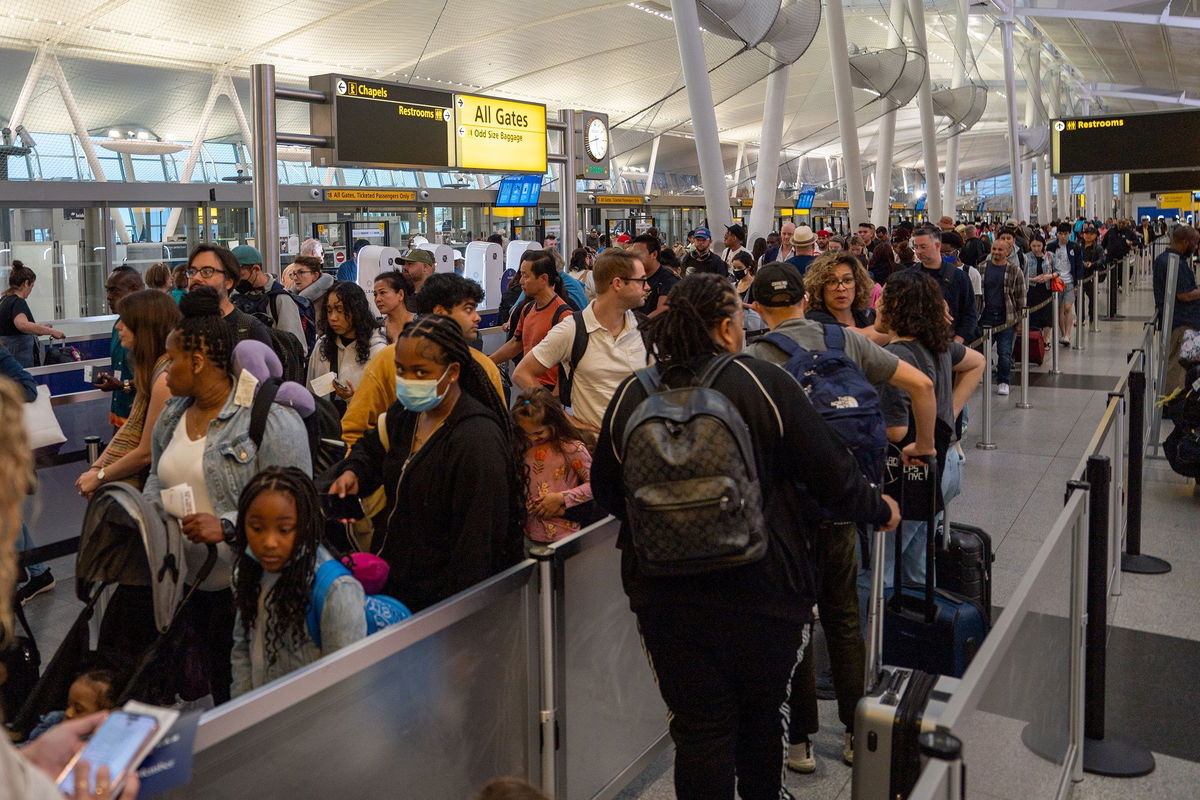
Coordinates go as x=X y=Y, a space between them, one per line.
x=900 y=704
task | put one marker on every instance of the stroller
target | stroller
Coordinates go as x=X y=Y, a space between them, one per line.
x=128 y=540
x=1182 y=447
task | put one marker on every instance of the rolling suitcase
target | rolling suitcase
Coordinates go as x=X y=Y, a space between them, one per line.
x=900 y=704
x=1037 y=349
x=964 y=565
x=929 y=629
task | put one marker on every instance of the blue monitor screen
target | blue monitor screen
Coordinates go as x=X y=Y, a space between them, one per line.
x=805 y=199
x=921 y=204
x=519 y=190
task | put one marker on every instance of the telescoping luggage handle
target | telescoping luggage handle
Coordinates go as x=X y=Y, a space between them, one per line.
x=932 y=479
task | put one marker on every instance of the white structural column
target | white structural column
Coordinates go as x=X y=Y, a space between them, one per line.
x=652 y=165
x=766 y=179
x=933 y=189
x=886 y=140
x=1020 y=209
x=738 y=164
x=1063 y=206
x=843 y=97
x=1045 y=190
x=961 y=45
x=704 y=113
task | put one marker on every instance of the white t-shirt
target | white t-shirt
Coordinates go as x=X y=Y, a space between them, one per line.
x=607 y=361
x=730 y=252
x=182 y=461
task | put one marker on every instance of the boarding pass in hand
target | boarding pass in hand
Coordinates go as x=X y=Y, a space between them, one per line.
x=179 y=500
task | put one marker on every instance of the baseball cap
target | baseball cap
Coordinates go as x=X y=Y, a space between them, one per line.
x=737 y=230
x=824 y=234
x=624 y=238
x=246 y=255
x=803 y=236
x=777 y=284
x=416 y=254
x=702 y=233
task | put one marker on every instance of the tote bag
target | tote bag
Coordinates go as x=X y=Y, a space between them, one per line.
x=41 y=426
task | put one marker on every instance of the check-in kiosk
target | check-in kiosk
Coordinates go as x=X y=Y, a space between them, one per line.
x=443 y=257
x=372 y=260
x=485 y=265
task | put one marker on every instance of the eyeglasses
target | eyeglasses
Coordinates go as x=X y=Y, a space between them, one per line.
x=641 y=280
x=844 y=283
x=203 y=272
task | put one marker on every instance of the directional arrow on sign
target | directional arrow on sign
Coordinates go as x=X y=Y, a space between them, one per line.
x=461 y=102
x=462 y=131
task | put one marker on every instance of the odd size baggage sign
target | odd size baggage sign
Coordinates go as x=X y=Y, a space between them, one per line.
x=393 y=125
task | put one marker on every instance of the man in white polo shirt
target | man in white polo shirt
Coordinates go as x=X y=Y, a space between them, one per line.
x=613 y=347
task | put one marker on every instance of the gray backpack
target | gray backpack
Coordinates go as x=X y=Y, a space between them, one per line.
x=692 y=496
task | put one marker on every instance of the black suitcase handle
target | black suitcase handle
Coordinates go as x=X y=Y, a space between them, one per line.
x=933 y=479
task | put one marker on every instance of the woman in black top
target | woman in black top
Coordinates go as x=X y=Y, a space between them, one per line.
x=453 y=470
x=18 y=330
x=723 y=644
x=839 y=293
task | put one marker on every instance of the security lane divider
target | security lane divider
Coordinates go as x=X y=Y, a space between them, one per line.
x=537 y=672
x=1034 y=693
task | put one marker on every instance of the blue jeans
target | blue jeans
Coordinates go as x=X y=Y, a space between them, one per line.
x=26 y=543
x=912 y=543
x=1004 y=354
x=23 y=347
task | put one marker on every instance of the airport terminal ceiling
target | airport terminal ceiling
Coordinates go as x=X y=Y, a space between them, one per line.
x=149 y=64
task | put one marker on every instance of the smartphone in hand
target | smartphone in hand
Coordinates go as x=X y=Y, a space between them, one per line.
x=339 y=508
x=119 y=744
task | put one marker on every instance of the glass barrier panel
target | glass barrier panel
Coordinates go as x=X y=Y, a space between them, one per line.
x=613 y=713
x=435 y=720
x=1016 y=739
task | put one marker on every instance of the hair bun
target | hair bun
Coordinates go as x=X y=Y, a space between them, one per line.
x=203 y=301
x=17 y=263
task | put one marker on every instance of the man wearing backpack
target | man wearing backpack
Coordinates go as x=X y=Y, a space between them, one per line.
x=708 y=458
x=260 y=295
x=605 y=350
x=778 y=297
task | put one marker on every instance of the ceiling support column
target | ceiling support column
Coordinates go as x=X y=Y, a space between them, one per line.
x=766 y=179
x=933 y=190
x=886 y=141
x=843 y=96
x=962 y=44
x=1020 y=204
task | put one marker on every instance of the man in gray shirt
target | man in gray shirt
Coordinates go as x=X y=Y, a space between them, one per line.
x=778 y=296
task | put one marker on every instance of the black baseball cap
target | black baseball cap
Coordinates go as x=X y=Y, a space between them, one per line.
x=777 y=284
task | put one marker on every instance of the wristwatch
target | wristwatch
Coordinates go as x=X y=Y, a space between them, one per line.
x=228 y=531
x=101 y=475
x=127 y=386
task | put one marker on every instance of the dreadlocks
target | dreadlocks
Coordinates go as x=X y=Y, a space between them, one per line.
x=287 y=602
x=446 y=334
x=695 y=306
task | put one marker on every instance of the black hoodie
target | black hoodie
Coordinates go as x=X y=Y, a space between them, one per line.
x=447 y=515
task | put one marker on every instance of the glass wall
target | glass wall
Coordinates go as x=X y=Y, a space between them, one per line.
x=65 y=249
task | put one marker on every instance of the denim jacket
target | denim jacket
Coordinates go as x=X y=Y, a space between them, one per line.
x=230 y=461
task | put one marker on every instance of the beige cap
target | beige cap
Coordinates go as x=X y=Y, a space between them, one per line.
x=803 y=236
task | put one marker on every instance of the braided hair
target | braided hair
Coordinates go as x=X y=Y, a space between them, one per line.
x=447 y=337
x=362 y=322
x=288 y=600
x=202 y=328
x=695 y=306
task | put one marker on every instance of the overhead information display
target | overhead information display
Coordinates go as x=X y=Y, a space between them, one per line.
x=1163 y=181
x=1127 y=143
x=392 y=125
x=500 y=135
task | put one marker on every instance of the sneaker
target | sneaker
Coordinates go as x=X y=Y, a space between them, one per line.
x=1002 y=389
x=35 y=586
x=800 y=758
x=848 y=749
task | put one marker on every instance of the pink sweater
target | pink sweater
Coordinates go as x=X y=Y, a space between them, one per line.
x=552 y=469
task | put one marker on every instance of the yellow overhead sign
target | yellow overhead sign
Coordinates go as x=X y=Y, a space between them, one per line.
x=619 y=199
x=1175 y=200
x=371 y=195
x=839 y=205
x=493 y=134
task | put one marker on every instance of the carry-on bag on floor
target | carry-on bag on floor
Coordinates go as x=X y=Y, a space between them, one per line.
x=926 y=628
x=964 y=565
x=900 y=704
x=1037 y=348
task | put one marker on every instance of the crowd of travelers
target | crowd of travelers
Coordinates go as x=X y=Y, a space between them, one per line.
x=341 y=445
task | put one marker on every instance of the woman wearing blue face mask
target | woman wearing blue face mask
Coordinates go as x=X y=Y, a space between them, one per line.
x=453 y=470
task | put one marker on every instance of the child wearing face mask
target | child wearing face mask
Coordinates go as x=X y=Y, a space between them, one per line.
x=560 y=467
x=742 y=270
x=278 y=552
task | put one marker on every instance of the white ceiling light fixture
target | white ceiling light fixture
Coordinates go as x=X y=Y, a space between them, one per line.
x=142 y=147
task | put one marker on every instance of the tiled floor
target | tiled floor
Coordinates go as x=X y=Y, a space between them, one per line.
x=1015 y=492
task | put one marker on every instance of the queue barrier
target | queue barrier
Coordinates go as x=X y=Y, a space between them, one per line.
x=1027 y=718
x=537 y=672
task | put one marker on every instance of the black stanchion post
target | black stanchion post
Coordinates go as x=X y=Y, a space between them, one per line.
x=1102 y=755
x=1113 y=275
x=1132 y=560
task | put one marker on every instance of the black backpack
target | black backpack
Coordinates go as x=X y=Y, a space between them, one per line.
x=324 y=426
x=264 y=307
x=692 y=496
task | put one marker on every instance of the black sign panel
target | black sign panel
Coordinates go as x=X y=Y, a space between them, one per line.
x=1161 y=141
x=380 y=124
x=1181 y=181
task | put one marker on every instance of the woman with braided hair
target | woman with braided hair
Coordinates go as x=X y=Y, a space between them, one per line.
x=278 y=550
x=202 y=439
x=453 y=470
x=723 y=643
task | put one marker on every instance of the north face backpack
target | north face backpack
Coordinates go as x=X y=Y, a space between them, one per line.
x=692 y=497
x=841 y=394
x=380 y=610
